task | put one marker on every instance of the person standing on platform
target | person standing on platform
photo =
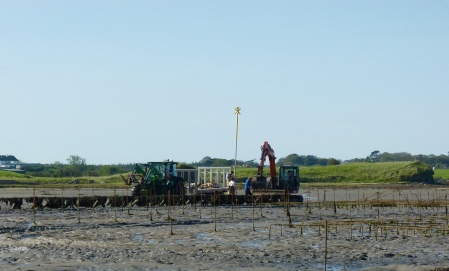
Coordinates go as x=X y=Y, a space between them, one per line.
x=248 y=186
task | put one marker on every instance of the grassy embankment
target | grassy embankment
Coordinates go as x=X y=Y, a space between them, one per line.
x=442 y=173
x=10 y=179
x=393 y=172
x=357 y=173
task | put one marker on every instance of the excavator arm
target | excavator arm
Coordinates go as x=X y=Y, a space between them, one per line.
x=267 y=151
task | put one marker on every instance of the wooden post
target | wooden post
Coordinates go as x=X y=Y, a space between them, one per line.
x=127 y=203
x=232 y=205
x=123 y=200
x=201 y=202
x=182 y=199
x=335 y=204
x=155 y=199
x=252 y=199
x=151 y=207
x=62 y=198
x=215 y=214
x=319 y=203
x=171 y=220
x=325 y=247
x=146 y=198
x=93 y=197
x=115 y=205
x=79 y=210
x=34 y=205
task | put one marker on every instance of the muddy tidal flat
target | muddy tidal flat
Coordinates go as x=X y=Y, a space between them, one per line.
x=333 y=229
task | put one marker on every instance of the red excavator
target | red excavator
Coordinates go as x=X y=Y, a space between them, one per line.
x=286 y=182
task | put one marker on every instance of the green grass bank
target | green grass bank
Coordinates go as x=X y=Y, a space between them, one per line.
x=441 y=173
x=10 y=179
x=391 y=172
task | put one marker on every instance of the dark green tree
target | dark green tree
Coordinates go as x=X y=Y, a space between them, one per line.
x=207 y=161
x=110 y=170
x=291 y=159
x=333 y=162
x=184 y=166
x=373 y=157
x=77 y=165
x=311 y=160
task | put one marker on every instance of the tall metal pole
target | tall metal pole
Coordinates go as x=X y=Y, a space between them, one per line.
x=237 y=113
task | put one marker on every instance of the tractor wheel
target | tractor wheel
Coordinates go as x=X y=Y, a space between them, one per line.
x=161 y=190
x=178 y=188
x=164 y=191
x=135 y=191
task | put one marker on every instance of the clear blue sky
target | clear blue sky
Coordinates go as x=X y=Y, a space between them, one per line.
x=136 y=81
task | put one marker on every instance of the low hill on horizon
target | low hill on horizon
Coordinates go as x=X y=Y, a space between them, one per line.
x=388 y=172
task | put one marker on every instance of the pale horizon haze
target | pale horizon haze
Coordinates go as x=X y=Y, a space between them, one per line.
x=136 y=81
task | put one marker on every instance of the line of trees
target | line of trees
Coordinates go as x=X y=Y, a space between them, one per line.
x=207 y=161
x=76 y=166
x=307 y=160
x=436 y=161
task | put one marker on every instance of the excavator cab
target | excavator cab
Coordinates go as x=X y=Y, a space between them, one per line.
x=289 y=178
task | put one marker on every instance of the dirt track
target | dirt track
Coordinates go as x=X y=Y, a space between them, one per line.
x=361 y=235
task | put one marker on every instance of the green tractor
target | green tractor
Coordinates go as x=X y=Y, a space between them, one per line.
x=156 y=178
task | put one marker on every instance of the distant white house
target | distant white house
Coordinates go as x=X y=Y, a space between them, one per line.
x=8 y=161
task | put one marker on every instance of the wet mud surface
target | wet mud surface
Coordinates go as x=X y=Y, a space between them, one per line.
x=355 y=230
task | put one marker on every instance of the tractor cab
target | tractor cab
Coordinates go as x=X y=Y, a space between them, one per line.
x=155 y=177
x=164 y=169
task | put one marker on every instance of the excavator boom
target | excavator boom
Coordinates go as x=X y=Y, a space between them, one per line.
x=267 y=151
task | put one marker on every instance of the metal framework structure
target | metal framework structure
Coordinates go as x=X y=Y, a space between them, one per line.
x=213 y=175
